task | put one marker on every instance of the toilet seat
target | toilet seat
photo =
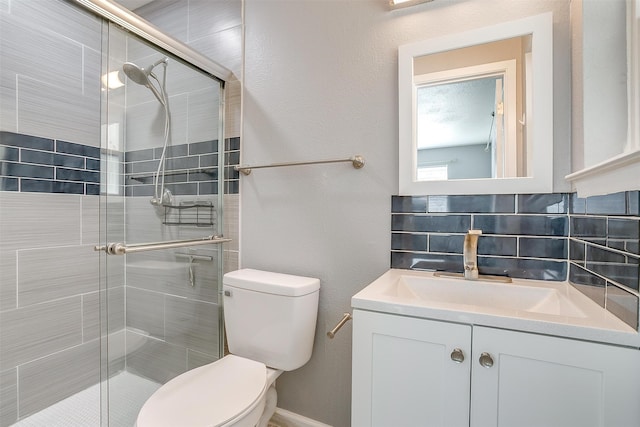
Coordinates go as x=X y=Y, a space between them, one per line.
x=211 y=395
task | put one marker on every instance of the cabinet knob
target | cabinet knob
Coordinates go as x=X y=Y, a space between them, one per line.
x=457 y=355
x=486 y=360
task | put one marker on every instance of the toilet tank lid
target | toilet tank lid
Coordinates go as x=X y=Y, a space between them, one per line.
x=270 y=282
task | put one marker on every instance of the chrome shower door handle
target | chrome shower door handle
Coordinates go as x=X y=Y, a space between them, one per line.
x=122 y=248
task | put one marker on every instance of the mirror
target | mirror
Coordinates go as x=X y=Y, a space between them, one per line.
x=475 y=111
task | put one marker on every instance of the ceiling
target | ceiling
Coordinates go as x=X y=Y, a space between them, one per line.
x=132 y=4
x=455 y=114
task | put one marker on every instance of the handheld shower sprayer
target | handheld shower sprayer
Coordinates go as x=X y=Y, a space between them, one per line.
x=142 y=76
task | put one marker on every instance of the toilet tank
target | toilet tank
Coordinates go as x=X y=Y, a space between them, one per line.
x=270 y=317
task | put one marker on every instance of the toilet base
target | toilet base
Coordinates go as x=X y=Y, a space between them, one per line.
x=271 y=401
x=260 y=415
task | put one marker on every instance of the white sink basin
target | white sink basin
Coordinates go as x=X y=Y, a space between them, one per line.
x=460 y=292
x=547 y=307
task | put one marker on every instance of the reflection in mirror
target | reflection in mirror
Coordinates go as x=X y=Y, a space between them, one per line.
x=470 y=121
x=455 y=122
x=467 y=110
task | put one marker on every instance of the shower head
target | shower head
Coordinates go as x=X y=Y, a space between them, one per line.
x=141 y=75
x=137 y=74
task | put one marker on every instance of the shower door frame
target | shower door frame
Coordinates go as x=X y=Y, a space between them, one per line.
x=112 y=13
x=129 y=21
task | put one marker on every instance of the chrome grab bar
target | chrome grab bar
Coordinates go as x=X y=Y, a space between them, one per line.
x=122 y=248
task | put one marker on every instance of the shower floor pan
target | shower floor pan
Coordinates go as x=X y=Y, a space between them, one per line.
x=127 y=394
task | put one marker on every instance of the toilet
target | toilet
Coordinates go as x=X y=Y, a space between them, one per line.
x=270 y=320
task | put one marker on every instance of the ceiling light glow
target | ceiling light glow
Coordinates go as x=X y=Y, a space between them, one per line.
x=112 y=80
x=396 y=4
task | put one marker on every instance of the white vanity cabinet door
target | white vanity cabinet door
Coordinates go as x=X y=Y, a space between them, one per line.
x=546 y=381
x=403 y=372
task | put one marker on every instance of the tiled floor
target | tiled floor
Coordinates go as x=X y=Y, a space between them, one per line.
x=127 y=394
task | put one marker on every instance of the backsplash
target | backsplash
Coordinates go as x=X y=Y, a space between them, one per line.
x=593 y=241
x=604 y=253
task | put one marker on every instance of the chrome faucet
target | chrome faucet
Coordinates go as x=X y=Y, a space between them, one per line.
x=470 y=254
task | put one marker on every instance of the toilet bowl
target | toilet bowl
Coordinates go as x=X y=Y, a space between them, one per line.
x=270 y=319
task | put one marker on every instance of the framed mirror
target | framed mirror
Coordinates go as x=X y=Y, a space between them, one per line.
x=476 y=111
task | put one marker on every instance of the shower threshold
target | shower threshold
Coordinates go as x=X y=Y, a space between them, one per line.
x=127 y=394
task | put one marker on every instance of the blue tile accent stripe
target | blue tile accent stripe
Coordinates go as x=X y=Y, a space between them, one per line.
x=34 y=164
x=190 y=169
x=594 y=242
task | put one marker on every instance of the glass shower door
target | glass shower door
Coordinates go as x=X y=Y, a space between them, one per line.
x=161 y=182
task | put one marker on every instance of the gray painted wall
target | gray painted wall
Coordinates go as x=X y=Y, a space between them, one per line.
x=463 y=162
x=320 y=81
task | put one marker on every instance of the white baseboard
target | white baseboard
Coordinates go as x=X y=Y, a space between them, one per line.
x=284 y=418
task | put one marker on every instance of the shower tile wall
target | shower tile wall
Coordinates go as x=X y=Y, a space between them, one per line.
x=164 y=313
x=593 y=241
x=192 y=169
x=49 y=88
x=213 y=27
x=49 y=145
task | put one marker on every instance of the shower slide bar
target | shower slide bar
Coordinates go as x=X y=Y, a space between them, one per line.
x=122 y=248
x=357 y=161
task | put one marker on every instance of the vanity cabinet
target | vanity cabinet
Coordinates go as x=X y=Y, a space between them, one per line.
x=416 y=372
x=403 y=374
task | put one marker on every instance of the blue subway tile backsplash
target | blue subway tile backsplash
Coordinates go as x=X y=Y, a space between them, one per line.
x=33 y=164
x=532 y=247
x=524 y=268
x=498 y=245
x=587 y=227
x=593 y=242
x=555 y=203
x=611 y=204
x=538 y=225
x=501 y=203
x=433 y=223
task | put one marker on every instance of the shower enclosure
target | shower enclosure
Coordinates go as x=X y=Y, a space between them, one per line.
x=111 y=136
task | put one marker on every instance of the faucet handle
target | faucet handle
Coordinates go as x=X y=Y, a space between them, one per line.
x=475 y=231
